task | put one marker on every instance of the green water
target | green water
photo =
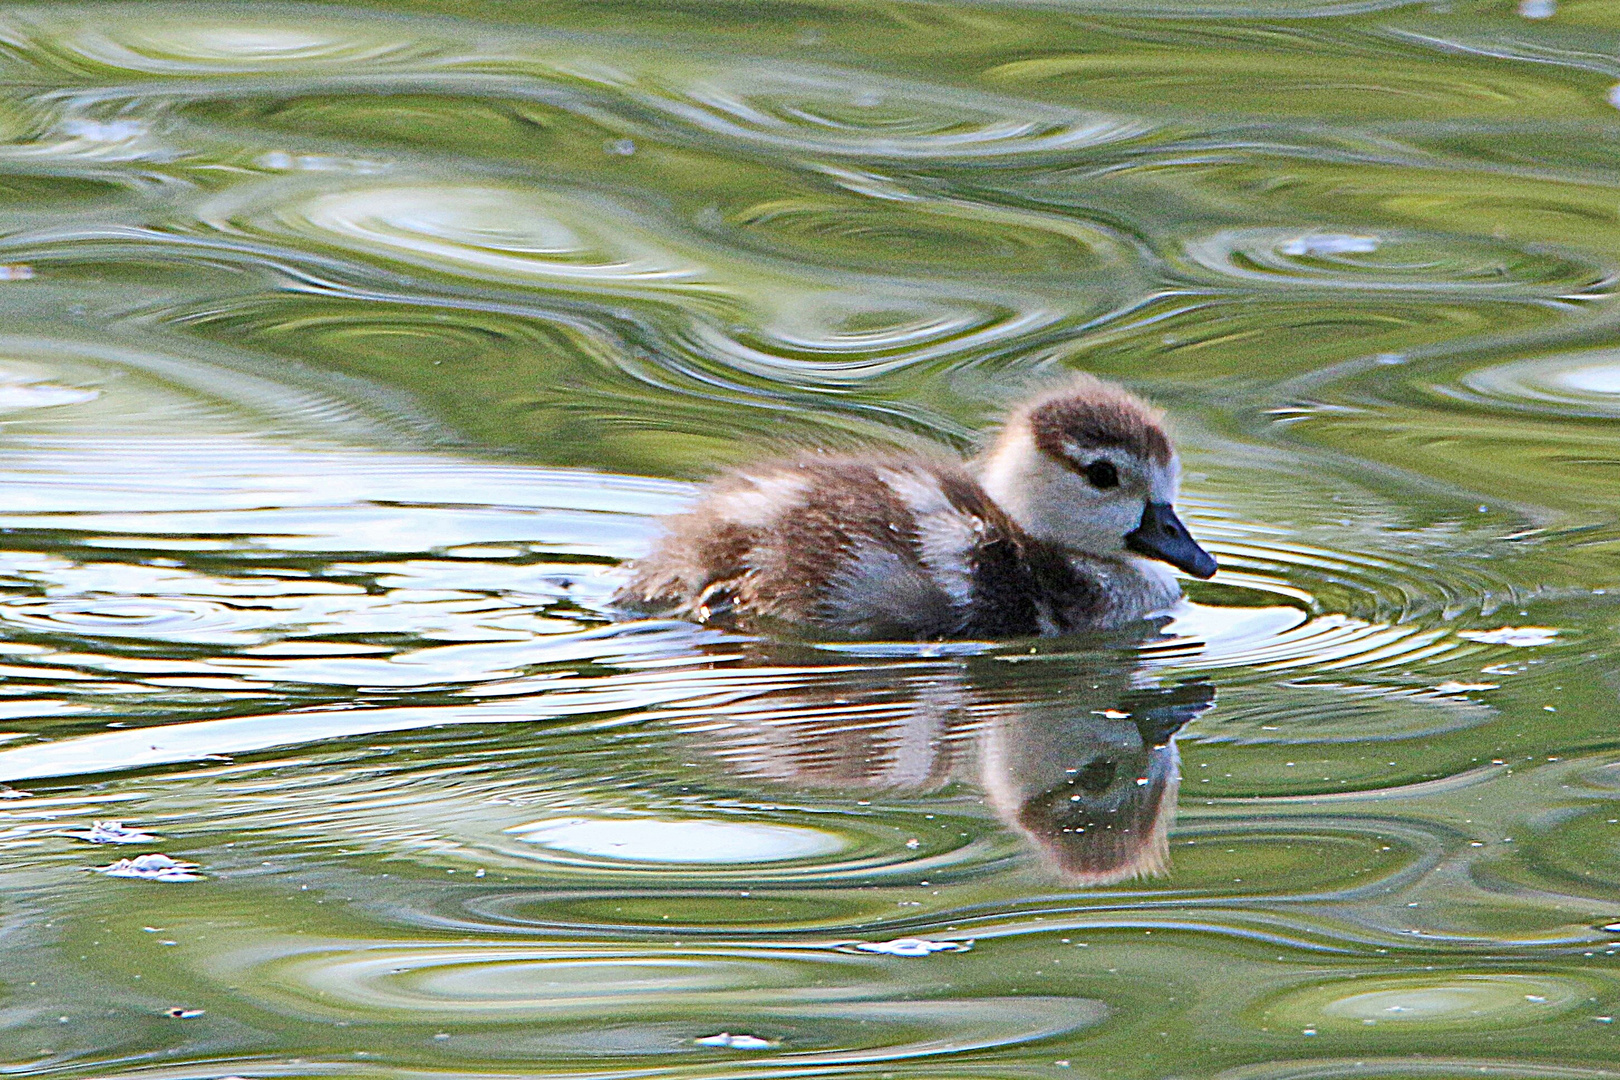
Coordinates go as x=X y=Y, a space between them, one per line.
x=346 y=351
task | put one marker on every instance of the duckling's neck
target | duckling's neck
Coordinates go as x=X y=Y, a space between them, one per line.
x=1014 y=473
x=1011 y=470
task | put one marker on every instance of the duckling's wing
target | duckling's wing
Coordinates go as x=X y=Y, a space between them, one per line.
x=867 y=552
x=856 y=548
x=879 y=592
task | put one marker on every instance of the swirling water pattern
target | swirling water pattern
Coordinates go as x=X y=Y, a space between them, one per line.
x=347 y=351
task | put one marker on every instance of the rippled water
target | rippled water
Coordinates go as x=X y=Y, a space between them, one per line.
x=346 y=352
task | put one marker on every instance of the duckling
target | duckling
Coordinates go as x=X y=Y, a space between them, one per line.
x=1052 y=530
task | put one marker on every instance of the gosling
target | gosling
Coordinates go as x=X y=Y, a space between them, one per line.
x=1054 y=529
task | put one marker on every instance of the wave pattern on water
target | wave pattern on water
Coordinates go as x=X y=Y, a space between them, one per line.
x=349 y=351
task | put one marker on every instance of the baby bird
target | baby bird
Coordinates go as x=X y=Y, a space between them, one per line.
x=1048 y=532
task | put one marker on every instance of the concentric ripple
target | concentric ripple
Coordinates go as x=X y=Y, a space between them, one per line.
x=1321 y=711
x=753 y=847
x=871 y=118
x=1568 y=384
x=208 y=45
x=938 y=235
x=1287 y=634
x=1284 y=73
x=520 y=235
x=814 y=1005
x=163 y=618
x=846 y=338
x=350 y=353
x=508 y=983
x=784 y=325
x=1395 y=261
x=1334 y=856
x=1463 y=1000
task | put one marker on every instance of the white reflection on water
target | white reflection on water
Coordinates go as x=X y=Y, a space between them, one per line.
x=206 y=45
x=21 y=393
x=641 y=839
x=1330 y=244
x=1594 y=380
x=1575 y=384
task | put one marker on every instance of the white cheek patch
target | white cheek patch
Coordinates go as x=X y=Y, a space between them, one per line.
x=1120 y=516
x=1079 y=516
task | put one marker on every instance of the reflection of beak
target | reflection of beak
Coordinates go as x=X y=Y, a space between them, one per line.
x=1159 y=714
x=1161 y=535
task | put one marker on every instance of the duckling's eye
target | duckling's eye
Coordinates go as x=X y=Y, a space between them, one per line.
x=1102 y=475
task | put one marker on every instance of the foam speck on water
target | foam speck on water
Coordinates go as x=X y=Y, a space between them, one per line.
x=112 y=832
x=153 y=867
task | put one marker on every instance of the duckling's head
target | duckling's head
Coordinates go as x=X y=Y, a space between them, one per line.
x=1087 y=466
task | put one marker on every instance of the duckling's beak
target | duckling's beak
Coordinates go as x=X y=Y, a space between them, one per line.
x=1161 y=535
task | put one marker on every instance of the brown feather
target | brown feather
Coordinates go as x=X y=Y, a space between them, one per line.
x=1089 y=413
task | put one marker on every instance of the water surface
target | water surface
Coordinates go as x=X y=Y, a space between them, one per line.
x=347 y=351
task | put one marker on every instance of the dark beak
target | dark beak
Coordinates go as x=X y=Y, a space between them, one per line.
x=1161 y=535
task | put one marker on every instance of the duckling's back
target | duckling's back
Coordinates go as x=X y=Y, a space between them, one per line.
x=859 y=548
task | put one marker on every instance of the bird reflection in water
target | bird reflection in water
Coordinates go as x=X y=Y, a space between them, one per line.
x=1073 y=754
x=1093 y=789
